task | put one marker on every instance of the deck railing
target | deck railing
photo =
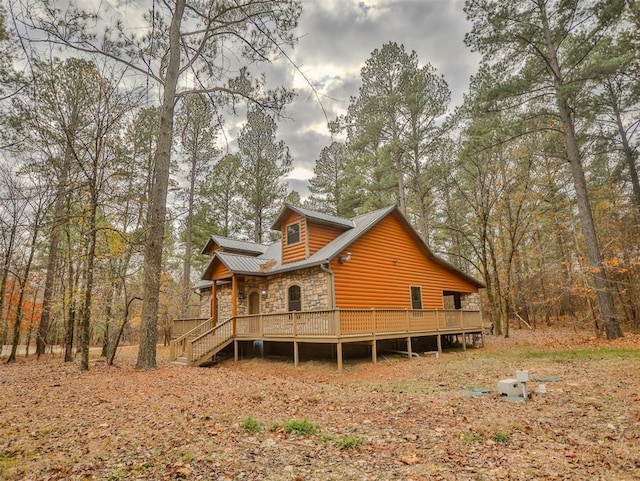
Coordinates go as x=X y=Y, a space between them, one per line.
x=210 y=340
x=328 y=324
x=355 y=322
x=178 y=346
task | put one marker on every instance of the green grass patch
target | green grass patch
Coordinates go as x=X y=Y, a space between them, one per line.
x=251 y=425
x=349 y=442
x=501 y=437
x=472 y=438
x=7 y=461
x=301 y=427
x=188 y=457
x=590 y=353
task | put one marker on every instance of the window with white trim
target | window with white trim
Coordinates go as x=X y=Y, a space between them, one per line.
x=416 y=297
x=293 y=233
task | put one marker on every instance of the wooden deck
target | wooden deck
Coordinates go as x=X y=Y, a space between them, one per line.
x=336 y=326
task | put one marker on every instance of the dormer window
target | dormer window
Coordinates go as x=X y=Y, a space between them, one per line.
x=293 y=233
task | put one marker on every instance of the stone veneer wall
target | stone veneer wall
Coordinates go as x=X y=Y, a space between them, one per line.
x=205 y=303
x=314 y=284
x=471 y=302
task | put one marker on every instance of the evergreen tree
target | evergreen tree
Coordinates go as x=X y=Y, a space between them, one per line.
x=265 y=162
x=548 y=51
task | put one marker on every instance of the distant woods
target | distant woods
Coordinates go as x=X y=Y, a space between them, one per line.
x=530 y=185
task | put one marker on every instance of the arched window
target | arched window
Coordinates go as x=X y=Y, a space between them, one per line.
x=295 y=298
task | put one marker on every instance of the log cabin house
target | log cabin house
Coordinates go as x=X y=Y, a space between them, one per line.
x=330 y=283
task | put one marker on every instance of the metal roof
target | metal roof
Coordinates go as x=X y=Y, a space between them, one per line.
x=226 y=243
x=241 y=264
x=319 y=217
x=270 y=261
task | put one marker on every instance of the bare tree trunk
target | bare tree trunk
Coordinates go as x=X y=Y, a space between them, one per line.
x=186 y=267
x=626 y=149
x=52 y=260
x=70 y=321
x=402 y=201
x=23 y=288
x=6 y=263
x=158 y=202
x=85 y=321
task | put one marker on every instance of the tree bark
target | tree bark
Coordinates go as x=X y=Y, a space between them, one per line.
x=158 y=202
x=52 y=260
x=85 y=321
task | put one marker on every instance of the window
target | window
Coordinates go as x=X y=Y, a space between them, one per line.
x=293 y=233
x=416 y=297
x=295 y=298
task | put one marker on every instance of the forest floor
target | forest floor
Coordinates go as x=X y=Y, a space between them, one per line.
x=396 y=420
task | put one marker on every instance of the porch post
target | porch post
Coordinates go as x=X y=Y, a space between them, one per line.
x=339 y=355
x=214 y=302
x=409 y=346
x=235 y=350
x=439 y=344
x=464 y=340
x=234 y=296
x=374 y=351
x=295 y=354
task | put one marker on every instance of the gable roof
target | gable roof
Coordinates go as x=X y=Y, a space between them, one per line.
x=228 y=244
x=270 y=261
x=317 y=217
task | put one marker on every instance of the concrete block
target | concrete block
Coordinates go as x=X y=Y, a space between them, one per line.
x=509 y=387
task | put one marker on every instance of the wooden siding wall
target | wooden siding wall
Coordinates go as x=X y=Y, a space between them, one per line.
x=220 y=271
x=371 y=279
x=298 y=251
x=320 y=236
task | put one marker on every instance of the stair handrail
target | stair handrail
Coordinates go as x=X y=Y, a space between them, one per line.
x=218 y=327
x=195 y=332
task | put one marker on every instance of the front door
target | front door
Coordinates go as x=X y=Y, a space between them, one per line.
x=254 y=303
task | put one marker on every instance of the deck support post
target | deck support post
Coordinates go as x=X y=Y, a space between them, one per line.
x=409 y=354
x=374 y=351
x=339 y=355
x=235 y=350
x=464 y=341
x=439 y=344
x=295 y=354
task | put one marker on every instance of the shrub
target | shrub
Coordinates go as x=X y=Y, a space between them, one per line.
x=251 y=425
x=302 y=427
x=349 y=442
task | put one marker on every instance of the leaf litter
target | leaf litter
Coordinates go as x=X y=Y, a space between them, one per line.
x=401 y=419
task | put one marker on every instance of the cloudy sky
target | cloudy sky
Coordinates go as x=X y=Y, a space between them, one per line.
x=338 y=36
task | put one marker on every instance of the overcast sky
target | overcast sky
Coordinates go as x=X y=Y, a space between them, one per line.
x=338 y=36
x=336 y=39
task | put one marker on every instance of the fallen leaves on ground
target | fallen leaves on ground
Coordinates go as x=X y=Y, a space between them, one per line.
x=399 y=419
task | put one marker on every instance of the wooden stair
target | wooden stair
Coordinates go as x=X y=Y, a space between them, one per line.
x=199 y=345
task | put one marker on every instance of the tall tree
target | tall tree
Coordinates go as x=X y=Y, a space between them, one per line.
x=198 y=134
x=549 y=49
x=265 y=162
x=328 y=182
x=221 y=211
x=184 y=37
x=394 y=121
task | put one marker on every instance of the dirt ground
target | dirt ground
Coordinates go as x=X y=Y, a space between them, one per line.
x=397 y=420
